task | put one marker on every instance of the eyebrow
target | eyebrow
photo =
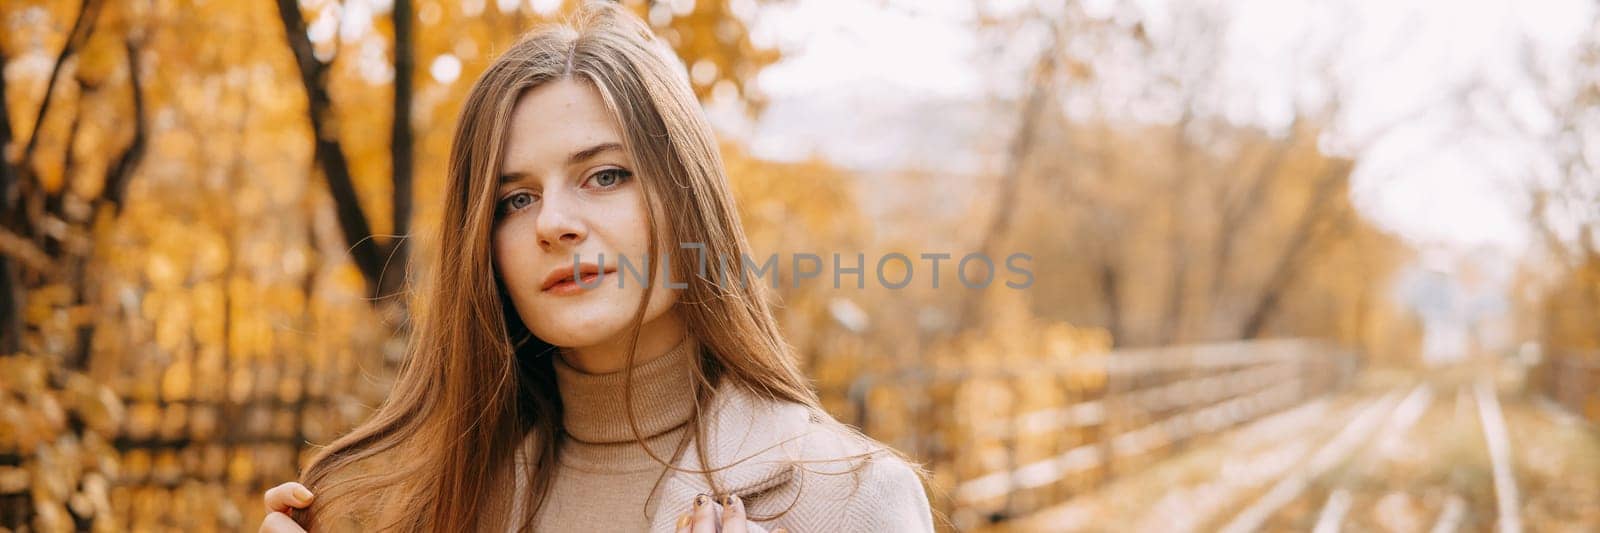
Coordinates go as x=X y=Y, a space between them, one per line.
x=576 y=157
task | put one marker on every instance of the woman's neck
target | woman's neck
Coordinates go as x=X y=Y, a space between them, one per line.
x=656 y=337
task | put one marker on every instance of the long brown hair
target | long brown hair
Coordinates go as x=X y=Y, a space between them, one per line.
x=438 y=453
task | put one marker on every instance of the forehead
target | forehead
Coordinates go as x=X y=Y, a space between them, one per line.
x=553 y=120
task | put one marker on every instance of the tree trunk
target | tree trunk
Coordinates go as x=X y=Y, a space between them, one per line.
x=1300 y=240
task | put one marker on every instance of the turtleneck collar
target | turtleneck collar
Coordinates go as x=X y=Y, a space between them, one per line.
x=593 y=406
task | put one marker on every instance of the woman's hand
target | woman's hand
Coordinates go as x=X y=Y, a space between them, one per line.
x=279 y=501
x=704 y=517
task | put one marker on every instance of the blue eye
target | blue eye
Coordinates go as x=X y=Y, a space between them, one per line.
x=610 y=177
x=516 y=202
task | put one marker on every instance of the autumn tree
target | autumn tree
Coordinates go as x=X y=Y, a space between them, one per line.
x=198 y=213
x=1212 y=231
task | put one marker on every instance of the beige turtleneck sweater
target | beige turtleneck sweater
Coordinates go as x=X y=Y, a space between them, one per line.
x=605 y=477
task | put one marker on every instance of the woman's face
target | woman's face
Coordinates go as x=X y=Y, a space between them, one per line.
x=568 y=187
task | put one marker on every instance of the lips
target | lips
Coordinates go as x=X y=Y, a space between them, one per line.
x=565 y=279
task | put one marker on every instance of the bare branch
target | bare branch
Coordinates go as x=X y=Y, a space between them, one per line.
x=121 y=172
x=1284 y=271
x=24 y=251
x=81 y=28
x=364 y=251
x=400 y=147
x=1235 y=212
x=1022 y=146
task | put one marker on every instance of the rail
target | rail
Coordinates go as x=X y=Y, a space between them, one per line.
x=1005 y=442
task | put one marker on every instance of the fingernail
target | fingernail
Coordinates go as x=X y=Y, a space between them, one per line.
x=683 y=521
x=302 y=494
x=780 y=530
x=701 y=499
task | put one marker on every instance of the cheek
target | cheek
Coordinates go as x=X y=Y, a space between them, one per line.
x=630 y=226
x=511 y=258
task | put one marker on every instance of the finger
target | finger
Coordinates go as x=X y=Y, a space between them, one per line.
x=683 y=523
x=705 y=515
x=287 y=495
x=277 y=522
x=733 y=519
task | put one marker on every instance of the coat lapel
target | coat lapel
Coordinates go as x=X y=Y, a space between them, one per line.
x=759 y=438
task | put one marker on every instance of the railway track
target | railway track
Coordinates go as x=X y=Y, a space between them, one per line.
x=1434 y=455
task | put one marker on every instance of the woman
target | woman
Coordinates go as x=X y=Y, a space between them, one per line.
x=549 y=390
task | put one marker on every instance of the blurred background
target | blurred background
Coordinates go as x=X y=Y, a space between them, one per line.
x=1298 y=265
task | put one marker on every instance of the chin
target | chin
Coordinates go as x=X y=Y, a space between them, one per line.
x=577 y=326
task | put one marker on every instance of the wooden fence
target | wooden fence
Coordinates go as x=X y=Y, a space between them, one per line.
x=1572 y=380
x=1005 y=442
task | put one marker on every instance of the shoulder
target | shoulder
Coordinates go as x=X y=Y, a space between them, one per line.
x=889 y=497
x=820 y=474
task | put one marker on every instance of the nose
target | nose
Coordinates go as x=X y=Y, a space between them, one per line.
x=559 y=225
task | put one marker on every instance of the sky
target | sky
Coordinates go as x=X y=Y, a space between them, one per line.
x=1437 y=106
x=880 y=85
x=877 y=85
